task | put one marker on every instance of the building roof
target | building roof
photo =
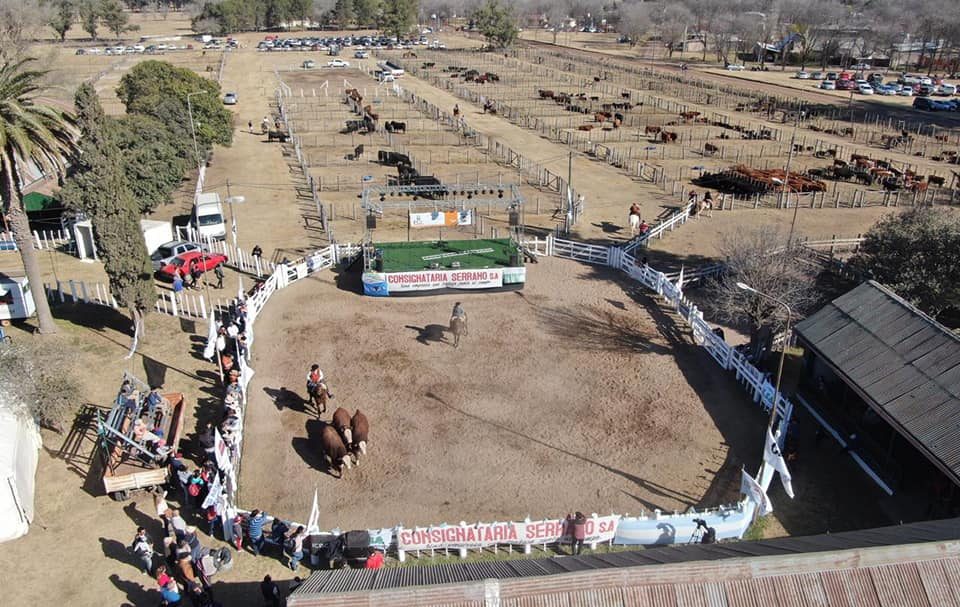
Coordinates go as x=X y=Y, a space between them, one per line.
x=916 y=564
x=899 y=360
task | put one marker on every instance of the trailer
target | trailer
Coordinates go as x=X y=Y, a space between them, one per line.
x=132 y=462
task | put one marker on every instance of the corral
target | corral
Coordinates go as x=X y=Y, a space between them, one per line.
x=576 y=393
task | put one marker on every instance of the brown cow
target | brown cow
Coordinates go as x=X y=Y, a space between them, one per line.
x=651 y=130
x=341 y=421
x=599 y=117
x=334 y=450
x=709 y=148
x=689 y=115
x=361 y=432
x=668 y=137
x=585 y=127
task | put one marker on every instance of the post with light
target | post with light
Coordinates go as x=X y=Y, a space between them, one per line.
x=233 y=218
x=783 y=350
x=193 y=128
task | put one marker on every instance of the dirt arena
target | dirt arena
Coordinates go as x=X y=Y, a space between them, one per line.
x=574 y=393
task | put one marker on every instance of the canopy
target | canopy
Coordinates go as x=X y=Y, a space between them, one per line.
x=19 y=451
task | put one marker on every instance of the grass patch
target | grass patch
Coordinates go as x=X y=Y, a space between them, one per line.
x=757 y=531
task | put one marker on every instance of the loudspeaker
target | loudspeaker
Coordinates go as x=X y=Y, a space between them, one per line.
x=514 y=218
x=371 y=221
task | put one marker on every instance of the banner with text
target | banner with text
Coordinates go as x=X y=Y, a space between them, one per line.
x=428 y=280
x=441 y=219
x=600 y=529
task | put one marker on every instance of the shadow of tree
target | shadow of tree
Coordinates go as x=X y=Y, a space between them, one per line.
x=595 y=329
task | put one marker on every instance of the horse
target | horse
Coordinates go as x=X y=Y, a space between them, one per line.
x=458 y=326
x=319 y=396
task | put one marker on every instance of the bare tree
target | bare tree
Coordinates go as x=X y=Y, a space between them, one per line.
x=20 y=21
x=636 y=21
x=671 y=21
x=760 y=258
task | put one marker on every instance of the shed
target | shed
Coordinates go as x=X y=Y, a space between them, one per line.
x=19 y=453
x=888 y=376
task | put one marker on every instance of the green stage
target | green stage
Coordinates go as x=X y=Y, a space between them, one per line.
x=471 y=254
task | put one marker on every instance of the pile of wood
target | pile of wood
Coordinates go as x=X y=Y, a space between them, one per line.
x=742 y=179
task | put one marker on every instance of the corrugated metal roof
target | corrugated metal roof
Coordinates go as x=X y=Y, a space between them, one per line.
x=837 y=585
x=901 y=360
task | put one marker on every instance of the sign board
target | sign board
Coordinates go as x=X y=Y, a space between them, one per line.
x=377 y=283
x=441 y=219
x=600 y=529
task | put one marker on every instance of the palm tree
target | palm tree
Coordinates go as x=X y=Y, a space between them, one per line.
x=39 y=135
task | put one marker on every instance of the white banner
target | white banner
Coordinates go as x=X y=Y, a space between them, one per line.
x=599 y=529
x=381 y=538
x=221 y=452
x=440 y=219
x=772 y=456
x=213 y=493
x=428 y=280
x=752 y=489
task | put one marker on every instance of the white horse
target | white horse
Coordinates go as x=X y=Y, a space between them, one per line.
x=634 y=224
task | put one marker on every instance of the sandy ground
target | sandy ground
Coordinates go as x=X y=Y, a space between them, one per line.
x=579 y=393
x=582 y=398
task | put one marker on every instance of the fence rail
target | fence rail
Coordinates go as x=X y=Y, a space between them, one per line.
x=42 y=240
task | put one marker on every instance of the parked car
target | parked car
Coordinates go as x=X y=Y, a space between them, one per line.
x=230 y=99
x=929 y=105
x=925 y=90
x=361 y=54
x=860 y=66
x=817 y=75
x=829 y=85
x=947 y=90
x=167 y=251
x=309 y=64
x=846 y=85
x=886 y=89
x=735 y=67
x=864 y=89
x=181 y=263
x=802 y=75
x=905 y=92
x=338 y=63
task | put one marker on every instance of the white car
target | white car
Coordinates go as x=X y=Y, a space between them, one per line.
x=948 y=89
x=864 y=89
x=338 y=63
x=802 y=75
x=905 y=92
x=829 y=85
x=735 y=67
x=361 y=54
x=861 y=66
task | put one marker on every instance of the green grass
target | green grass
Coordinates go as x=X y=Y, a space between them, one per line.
x=409 y=256
x=757 y=530
x=487 y=555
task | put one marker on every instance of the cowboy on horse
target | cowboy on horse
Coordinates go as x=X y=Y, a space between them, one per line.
x=317 y=388
x=458 y=323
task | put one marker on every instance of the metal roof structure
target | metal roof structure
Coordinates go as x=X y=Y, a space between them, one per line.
x=916 y=564
x=900 y=361
x=376 y=198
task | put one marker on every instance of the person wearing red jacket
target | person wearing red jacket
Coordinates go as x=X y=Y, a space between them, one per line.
x=576 y=528
x=375 y=560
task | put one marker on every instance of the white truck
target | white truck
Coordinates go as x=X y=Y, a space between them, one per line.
x=16 y=300
x=207 y=218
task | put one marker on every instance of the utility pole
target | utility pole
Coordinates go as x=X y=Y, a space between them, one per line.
x=786 y=178
x=569 y=195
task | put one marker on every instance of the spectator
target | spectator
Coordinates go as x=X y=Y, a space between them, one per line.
x=218 y=272
x=195 y=488
x=375 y=560
x=179 y=525
x=142 y=547
x=692 y=197
x=255 y=530
x=242 y=345
x=170 y=593
x=296 y=547
x=576 y=527
x=236 y=529
x=196 y=273
x=257 y=252
x=162 y=576
x=177 y=283
x=250 y=126
x=213 y=519
x=270 y=591
x=194 y=542
x=643 y=228
x=187 y=279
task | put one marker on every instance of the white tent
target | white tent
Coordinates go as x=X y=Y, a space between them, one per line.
x=19 y=451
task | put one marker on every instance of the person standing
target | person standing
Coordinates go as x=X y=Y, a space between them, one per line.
x=270 y=591
x=296 y=546
x=250 y=126
x=218 y=272
x=142 y=547
x=255 y=530
x=177 y=282
x=257 y=251
x=196 y=273
x=236 y=530
x=576 y=527
x=375 y=560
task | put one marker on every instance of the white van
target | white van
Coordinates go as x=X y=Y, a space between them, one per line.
x=207 y=217
x=16 y=300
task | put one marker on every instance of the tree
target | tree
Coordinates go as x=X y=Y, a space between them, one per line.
x=18 y=21
x=89 y=11
x=344 y=13
x=671 y=22
x=366 y=11
x=159 y=89
x=52 y=394
x=497 y=24
x=36 y=133
x=758 y=258
x=914 y=254
x=115 y=18
x=100 y=189
x=396 y=16
x=61 y=17
x=635 y=21
x=154 y=159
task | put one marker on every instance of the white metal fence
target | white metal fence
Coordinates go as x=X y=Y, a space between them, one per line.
x=42 y=239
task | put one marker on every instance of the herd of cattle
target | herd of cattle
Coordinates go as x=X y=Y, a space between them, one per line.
x=869 y=171
x=344 y=440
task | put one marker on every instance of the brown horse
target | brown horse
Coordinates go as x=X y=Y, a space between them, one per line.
x=319 y=396
x=458 y=326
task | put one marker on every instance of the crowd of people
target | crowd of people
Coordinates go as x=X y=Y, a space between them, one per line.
x=192 y=277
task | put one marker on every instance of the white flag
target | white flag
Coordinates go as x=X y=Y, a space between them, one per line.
x=772 y=455
x=680 y=279
x=211 y=346
x=313 y=524
x=752 y=489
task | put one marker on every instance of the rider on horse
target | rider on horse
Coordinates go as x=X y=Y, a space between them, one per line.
x=314 y=378
x=458 y=313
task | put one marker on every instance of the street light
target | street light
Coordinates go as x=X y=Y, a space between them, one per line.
x=783 y=350
x=193 y=128
x=233 y=216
